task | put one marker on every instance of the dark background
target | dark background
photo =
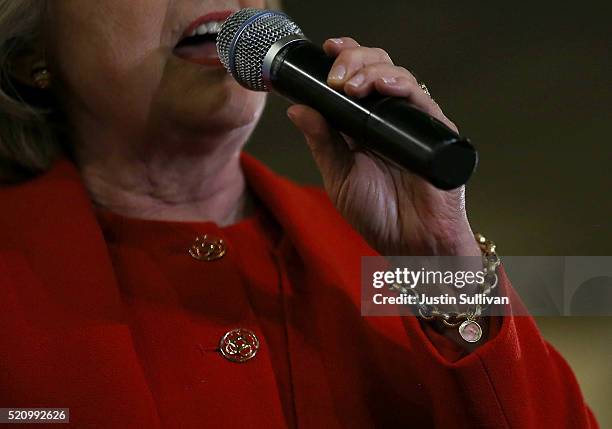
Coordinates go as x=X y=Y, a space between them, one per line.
x=529 y=83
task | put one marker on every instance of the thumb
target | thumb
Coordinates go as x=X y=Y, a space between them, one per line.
x=329 y=149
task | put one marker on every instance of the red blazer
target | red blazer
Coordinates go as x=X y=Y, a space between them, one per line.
x=64 y=342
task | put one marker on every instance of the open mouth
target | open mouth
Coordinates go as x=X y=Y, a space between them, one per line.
x=199 y=42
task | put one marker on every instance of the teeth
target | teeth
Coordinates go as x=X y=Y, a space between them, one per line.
x=202 y=29
x=210 y=28
x=214 y=27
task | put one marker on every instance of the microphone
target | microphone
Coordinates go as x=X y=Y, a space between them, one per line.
x=265 y=51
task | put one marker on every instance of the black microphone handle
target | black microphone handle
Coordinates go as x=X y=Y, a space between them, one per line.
x=389 y=127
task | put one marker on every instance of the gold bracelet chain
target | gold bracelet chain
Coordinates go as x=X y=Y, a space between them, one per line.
x=469 y=329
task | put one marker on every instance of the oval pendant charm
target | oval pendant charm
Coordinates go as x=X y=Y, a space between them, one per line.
x=470 y=331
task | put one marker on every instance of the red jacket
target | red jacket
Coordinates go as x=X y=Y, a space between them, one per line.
x=64 y=342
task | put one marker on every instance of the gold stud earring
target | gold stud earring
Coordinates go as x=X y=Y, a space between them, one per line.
x=41 y=76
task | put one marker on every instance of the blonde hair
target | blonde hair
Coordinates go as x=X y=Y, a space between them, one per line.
x=29 y=135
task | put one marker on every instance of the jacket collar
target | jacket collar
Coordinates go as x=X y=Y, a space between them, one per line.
x=316 y=229
x=51 y=221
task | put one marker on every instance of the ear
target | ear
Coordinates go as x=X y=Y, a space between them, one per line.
x=24 y=64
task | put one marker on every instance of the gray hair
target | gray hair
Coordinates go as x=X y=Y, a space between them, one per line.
x=28 y=142
x=29 y=135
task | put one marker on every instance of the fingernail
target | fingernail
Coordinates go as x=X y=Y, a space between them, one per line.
x=391 y=81
x=291 y=115
x=336 y=41
x=338 y=72
x=357 y=80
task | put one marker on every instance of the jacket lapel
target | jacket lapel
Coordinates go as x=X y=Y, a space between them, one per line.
x=50 y=221
x=328 y=246
x=331 y=345
x=63 y=331
x=48 y=224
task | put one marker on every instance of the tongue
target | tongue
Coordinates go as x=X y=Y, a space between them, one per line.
x=202 y=53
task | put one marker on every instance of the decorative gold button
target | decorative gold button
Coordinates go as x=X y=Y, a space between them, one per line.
x=239 y=345
x=208 y=248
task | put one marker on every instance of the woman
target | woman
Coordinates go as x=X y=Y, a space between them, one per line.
x=153 y=276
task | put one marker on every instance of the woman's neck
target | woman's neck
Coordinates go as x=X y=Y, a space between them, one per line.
x=188 y=179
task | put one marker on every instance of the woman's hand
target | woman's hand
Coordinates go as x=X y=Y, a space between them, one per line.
x=397 y=212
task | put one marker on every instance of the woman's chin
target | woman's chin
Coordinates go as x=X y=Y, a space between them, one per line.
x=222 y=117
x=236 y=107
x=208 y=106
x=228 y=121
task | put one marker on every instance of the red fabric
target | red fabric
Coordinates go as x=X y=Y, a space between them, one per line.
x=69 y=339
x=161 y=284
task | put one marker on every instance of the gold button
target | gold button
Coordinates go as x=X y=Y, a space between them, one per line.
x=208 y=248
x=239 y=345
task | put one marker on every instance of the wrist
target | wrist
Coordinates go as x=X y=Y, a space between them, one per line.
x=450 y=243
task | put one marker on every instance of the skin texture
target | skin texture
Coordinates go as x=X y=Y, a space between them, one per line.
x=397 y=212
x=157 y=137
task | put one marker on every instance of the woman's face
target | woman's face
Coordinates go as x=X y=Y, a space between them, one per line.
x=116 y=62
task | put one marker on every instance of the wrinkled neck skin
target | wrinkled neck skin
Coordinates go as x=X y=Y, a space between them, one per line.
x=165 y=174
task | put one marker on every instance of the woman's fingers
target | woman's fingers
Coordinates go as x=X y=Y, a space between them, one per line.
x=350 y=58
x=329 y=149
x=359 y=71
x=333 y=47
x=387 y=79
x=392 y=81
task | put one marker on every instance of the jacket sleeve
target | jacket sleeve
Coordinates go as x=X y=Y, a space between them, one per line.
x=515 y=380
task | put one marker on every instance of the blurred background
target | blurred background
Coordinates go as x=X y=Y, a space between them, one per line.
x=529 y=83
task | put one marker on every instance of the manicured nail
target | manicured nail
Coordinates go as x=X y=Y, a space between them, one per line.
x=337 y=41
x=391 y=81
x=357 y=80
x=338 y=72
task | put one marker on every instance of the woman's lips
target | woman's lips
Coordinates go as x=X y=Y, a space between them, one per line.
x=204 y=53
x=219 y=16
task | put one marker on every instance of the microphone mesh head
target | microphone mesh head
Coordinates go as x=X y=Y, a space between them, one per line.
x=246 y=37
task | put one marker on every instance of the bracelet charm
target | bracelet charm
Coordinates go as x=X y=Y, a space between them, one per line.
x=470 y=331
x=467 y=322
